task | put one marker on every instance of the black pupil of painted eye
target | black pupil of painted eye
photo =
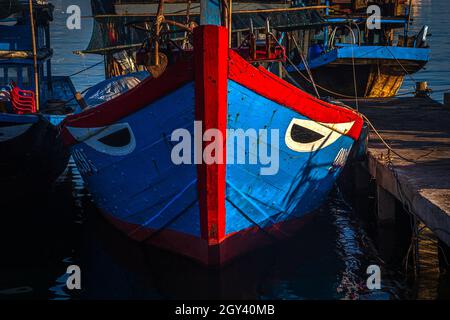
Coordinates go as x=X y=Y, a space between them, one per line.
x=8 y=124
x=119 y=138
x=303 y=135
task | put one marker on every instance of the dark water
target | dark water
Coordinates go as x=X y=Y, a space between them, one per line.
x=326 y=260
x=41 y=236
x=435 y=14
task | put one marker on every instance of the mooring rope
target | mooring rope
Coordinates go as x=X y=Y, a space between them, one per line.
x=305 y=63
x=85 y=69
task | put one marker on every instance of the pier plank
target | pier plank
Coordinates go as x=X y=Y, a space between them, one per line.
x=418 y=129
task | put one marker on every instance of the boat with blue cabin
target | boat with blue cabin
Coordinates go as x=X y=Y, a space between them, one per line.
x=356 y=53
x=163 y=165
x=32 y=100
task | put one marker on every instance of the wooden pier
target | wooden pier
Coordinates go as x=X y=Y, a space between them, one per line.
x=418 y=129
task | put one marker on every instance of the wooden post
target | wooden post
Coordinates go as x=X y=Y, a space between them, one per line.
x=361 y=179
x=211 y=75
x=422 y=89
x=49 y=61
x=35 y=64
x=159 y=17
x=386 y=206
x=230 y=21
x=447 y=99
x=80 y=100
x=444 y=256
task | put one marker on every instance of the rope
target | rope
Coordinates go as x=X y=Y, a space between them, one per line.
x=386 y=144
x=305 y=63
x=306 y=78
x=357 y=110
x=354 y=67
x=404 y=69
x=85 y=69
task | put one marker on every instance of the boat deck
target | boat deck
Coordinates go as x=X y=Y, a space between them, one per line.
x=418 y=129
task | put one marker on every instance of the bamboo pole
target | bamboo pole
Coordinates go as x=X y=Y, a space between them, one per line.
x=230 y=21
x=409 y=15
x=35 y=64
x=159 y=19
x=192 y=13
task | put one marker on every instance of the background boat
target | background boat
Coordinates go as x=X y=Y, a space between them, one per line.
x=346 y=59
x=32 y=100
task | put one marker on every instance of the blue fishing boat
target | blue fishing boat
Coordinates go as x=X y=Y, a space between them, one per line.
x=163 y=160
x=32 y=100
x=349 y=56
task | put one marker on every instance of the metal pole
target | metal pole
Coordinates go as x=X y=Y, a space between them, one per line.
x=409 y=14
x=408 y=22
x=49 y=63
x=325 y=33
x=230 y=21
x=36 y=69
x=159 y=19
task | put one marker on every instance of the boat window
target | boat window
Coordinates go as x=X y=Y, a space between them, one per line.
x=13 y=74
x=3 y=81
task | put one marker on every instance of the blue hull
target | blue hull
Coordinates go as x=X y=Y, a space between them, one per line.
x=129 y=169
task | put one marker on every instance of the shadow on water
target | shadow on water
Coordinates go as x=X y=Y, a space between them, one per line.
x=44 y=234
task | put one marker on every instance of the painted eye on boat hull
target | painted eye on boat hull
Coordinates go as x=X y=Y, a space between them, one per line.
x=308 y=136
x=9 y=131
x=304 y=135
x=116 y=140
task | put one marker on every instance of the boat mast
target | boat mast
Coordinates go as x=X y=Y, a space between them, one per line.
x=408 y=21
x=325 y=33
x=35 y=64
x=230 y=21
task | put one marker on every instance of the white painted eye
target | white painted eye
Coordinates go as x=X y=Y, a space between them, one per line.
x=308 y=136
x=116 y=140
x=11 y=132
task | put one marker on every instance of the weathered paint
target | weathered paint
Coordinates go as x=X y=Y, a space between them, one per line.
x=211 y=64
x=182 y=207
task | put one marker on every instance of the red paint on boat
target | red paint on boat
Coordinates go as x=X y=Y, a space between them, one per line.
x=146 y=92
x=211 y=67
x=273 y=88
x=211 y=77
x=198 y=249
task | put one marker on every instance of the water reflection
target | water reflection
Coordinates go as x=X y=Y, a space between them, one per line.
x=327 y=259
x=42 y=234
x=437 y=72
